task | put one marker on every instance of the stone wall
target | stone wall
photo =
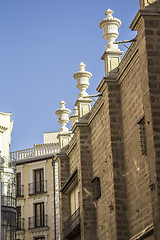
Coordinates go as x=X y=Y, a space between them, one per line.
x=108 y=144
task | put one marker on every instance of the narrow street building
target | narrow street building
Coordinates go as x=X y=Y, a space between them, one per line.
x=37 y=191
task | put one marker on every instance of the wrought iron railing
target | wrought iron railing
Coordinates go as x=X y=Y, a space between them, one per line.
x=37 y=222
x=71 y=227
x=37 y=187
x=38 y=150
x=20 y=191
x=20 y=224
x=8 y=201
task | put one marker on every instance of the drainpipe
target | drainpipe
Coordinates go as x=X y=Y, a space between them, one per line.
x=54 y=191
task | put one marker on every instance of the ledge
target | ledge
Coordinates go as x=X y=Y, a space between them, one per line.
x=69 y=182
x=144 y=233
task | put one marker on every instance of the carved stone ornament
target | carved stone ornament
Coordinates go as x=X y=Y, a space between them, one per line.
x=2 y=129
x=63 y=116
x=110 y=26
x=74 y=118
x=82 y=77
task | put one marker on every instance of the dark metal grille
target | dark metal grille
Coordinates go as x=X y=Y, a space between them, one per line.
x=8 y=232
x=38 y=221
x=71 y=227
x=8 y=201
x=39 y=238
x=20 y=191
x=20 y=224
x=143 y=141
x=37 y=187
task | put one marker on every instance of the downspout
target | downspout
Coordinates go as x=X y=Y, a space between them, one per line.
x=54 y=192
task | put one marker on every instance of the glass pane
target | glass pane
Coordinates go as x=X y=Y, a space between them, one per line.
x=39 y=214
x=39 y=180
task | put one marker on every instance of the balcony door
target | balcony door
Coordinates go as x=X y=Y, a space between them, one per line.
x=39 y=180
x=18 y=218
x=39 y=214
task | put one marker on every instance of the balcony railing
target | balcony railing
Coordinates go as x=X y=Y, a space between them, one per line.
x=38 y=150
x=20 y=191
x=8 y=201
x=37 y=222
x=20 y=224
x=71 y=227
x=37 y=187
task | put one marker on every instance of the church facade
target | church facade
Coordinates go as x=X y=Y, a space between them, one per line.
x=109 y=163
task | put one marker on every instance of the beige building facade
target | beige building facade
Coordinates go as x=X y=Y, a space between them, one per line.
x=37 y=197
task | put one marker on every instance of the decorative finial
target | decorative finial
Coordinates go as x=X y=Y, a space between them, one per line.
x=74 y=118
x=110 y=27
x=82 y=67
x=63 y=116
x=109 y=14
x=82 y=78
x=76 y=111
x=62 y=103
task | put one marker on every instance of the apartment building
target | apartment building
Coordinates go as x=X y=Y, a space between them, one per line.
x=37 y=194
x=109 y=175
x=7 y=181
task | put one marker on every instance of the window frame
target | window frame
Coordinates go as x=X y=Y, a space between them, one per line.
x=41 y=216
x=39 y=188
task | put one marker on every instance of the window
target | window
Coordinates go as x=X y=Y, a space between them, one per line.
x=74 y=199
x=142 y=131
x=18 y=218
x=96 y=187
x=39 y=214
x=39 y=180
x=18 y=178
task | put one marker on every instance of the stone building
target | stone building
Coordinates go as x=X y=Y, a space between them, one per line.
x=109 y=163
x=37 y=192
x=7 y=181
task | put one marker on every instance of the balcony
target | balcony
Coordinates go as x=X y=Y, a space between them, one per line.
x=71 y=227
x=37 y=187
x=20 y=224
x=37 y=222
x=36 y=151
x=20 y=191
x=8 y=201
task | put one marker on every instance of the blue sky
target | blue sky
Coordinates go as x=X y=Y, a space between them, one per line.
x=42 y=43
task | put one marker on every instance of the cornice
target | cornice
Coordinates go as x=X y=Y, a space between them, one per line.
x=61 y=155
x=6 y=114
x=95 y=111
x=35 y=159
x=143 y=234
x=103 y=84
x=151 y=10
x=69 y=182
x=127 y=63
x=72 y=144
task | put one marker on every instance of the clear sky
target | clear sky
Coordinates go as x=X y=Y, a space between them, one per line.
x=42 y=43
